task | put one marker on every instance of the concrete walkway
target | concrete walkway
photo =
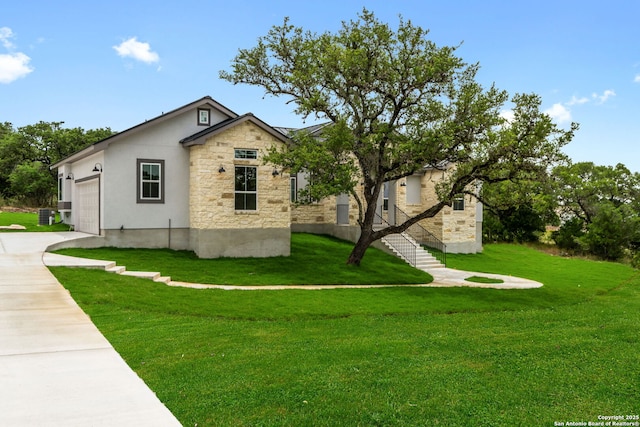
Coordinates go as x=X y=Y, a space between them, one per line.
x=56 y=368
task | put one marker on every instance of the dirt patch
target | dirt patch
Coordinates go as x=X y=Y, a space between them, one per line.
x=18 y=210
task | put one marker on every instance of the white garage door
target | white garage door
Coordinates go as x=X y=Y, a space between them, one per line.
x=88 y=205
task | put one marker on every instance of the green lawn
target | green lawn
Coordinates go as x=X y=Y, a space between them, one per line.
x=569 y=351
x=30 y=221
x=314 y=260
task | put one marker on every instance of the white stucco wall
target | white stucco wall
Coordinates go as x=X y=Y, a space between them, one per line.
x=160 y=142
x=82 y=170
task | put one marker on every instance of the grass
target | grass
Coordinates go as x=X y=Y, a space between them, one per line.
x=481 y=279
x=390 y=356
x=30 y=221
x=314 y=260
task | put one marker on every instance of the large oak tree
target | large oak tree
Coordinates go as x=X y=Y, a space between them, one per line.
x=398 y=103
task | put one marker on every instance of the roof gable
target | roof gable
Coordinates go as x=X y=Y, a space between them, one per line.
x=101 y=145
x=201 y=137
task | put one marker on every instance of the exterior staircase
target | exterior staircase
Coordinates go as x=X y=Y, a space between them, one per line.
x=111 y=267
x=406 y=248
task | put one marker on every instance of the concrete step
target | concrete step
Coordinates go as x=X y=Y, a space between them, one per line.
x=152 y=275
x=423 y=259
x=115 y=269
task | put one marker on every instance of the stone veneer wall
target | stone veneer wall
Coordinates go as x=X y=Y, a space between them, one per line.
x=217 y=229
x=323 y=212
x=457 y=229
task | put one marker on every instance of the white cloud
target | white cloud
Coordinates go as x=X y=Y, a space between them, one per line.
x=604 y=97
x=5 y=35
x=637 y=79
x=132 y=48
x=578 y=101
x=14 y=66
x=508 y=115
x=559 y=112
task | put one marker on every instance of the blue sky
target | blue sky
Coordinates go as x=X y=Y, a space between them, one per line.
x=117 y=63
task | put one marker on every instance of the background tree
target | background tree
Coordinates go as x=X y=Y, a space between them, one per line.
x=519 y=211
x=600 y=206
x=398 y=103
x=31 y=183
x=30 y=150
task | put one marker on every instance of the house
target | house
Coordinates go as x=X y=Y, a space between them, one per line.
x=458 y=227
x=194 y=179
x=191 y=178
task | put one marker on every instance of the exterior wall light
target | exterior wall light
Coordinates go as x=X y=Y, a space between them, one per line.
x=275 y=173
x=97 y=167
x=221 y=170
x=70 y=176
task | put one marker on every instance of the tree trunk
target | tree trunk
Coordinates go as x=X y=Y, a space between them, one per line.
x=358 y=251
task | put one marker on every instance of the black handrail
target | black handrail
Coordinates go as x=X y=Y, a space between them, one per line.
x=424 y=237
x=405 y=247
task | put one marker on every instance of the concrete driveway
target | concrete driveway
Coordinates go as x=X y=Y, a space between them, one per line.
x=56 y=368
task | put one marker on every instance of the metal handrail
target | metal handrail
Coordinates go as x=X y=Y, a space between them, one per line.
x=405 y=247
x=424 y=237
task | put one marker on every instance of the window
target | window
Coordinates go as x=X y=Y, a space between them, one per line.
x=150 y=181
x=414 y=190
x=385 y=196
x=293 y=189
x=458 y=203
x=204 y=117
x=60 y=187
x=245 y=154
x=246 y=188
x=303 y=183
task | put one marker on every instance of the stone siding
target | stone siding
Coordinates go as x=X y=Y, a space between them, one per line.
x=212 y=193
x=457 y=229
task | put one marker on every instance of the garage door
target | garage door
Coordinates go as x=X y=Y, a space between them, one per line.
x=88 y=202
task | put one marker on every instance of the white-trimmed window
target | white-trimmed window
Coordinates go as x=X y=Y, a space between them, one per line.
x=246 y=188
x=204 y=117
x=240 y=153
x=150 y=181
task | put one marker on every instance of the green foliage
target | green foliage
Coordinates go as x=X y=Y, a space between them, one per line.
x=44 y=144
x=611 y=231
x=602 y=205
x=32 y=184
x=325 y=160
x=518 y=211
x=569 y=233
x=400 y=103
x=395 y=356
x=583 y=187
x=514 y=224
